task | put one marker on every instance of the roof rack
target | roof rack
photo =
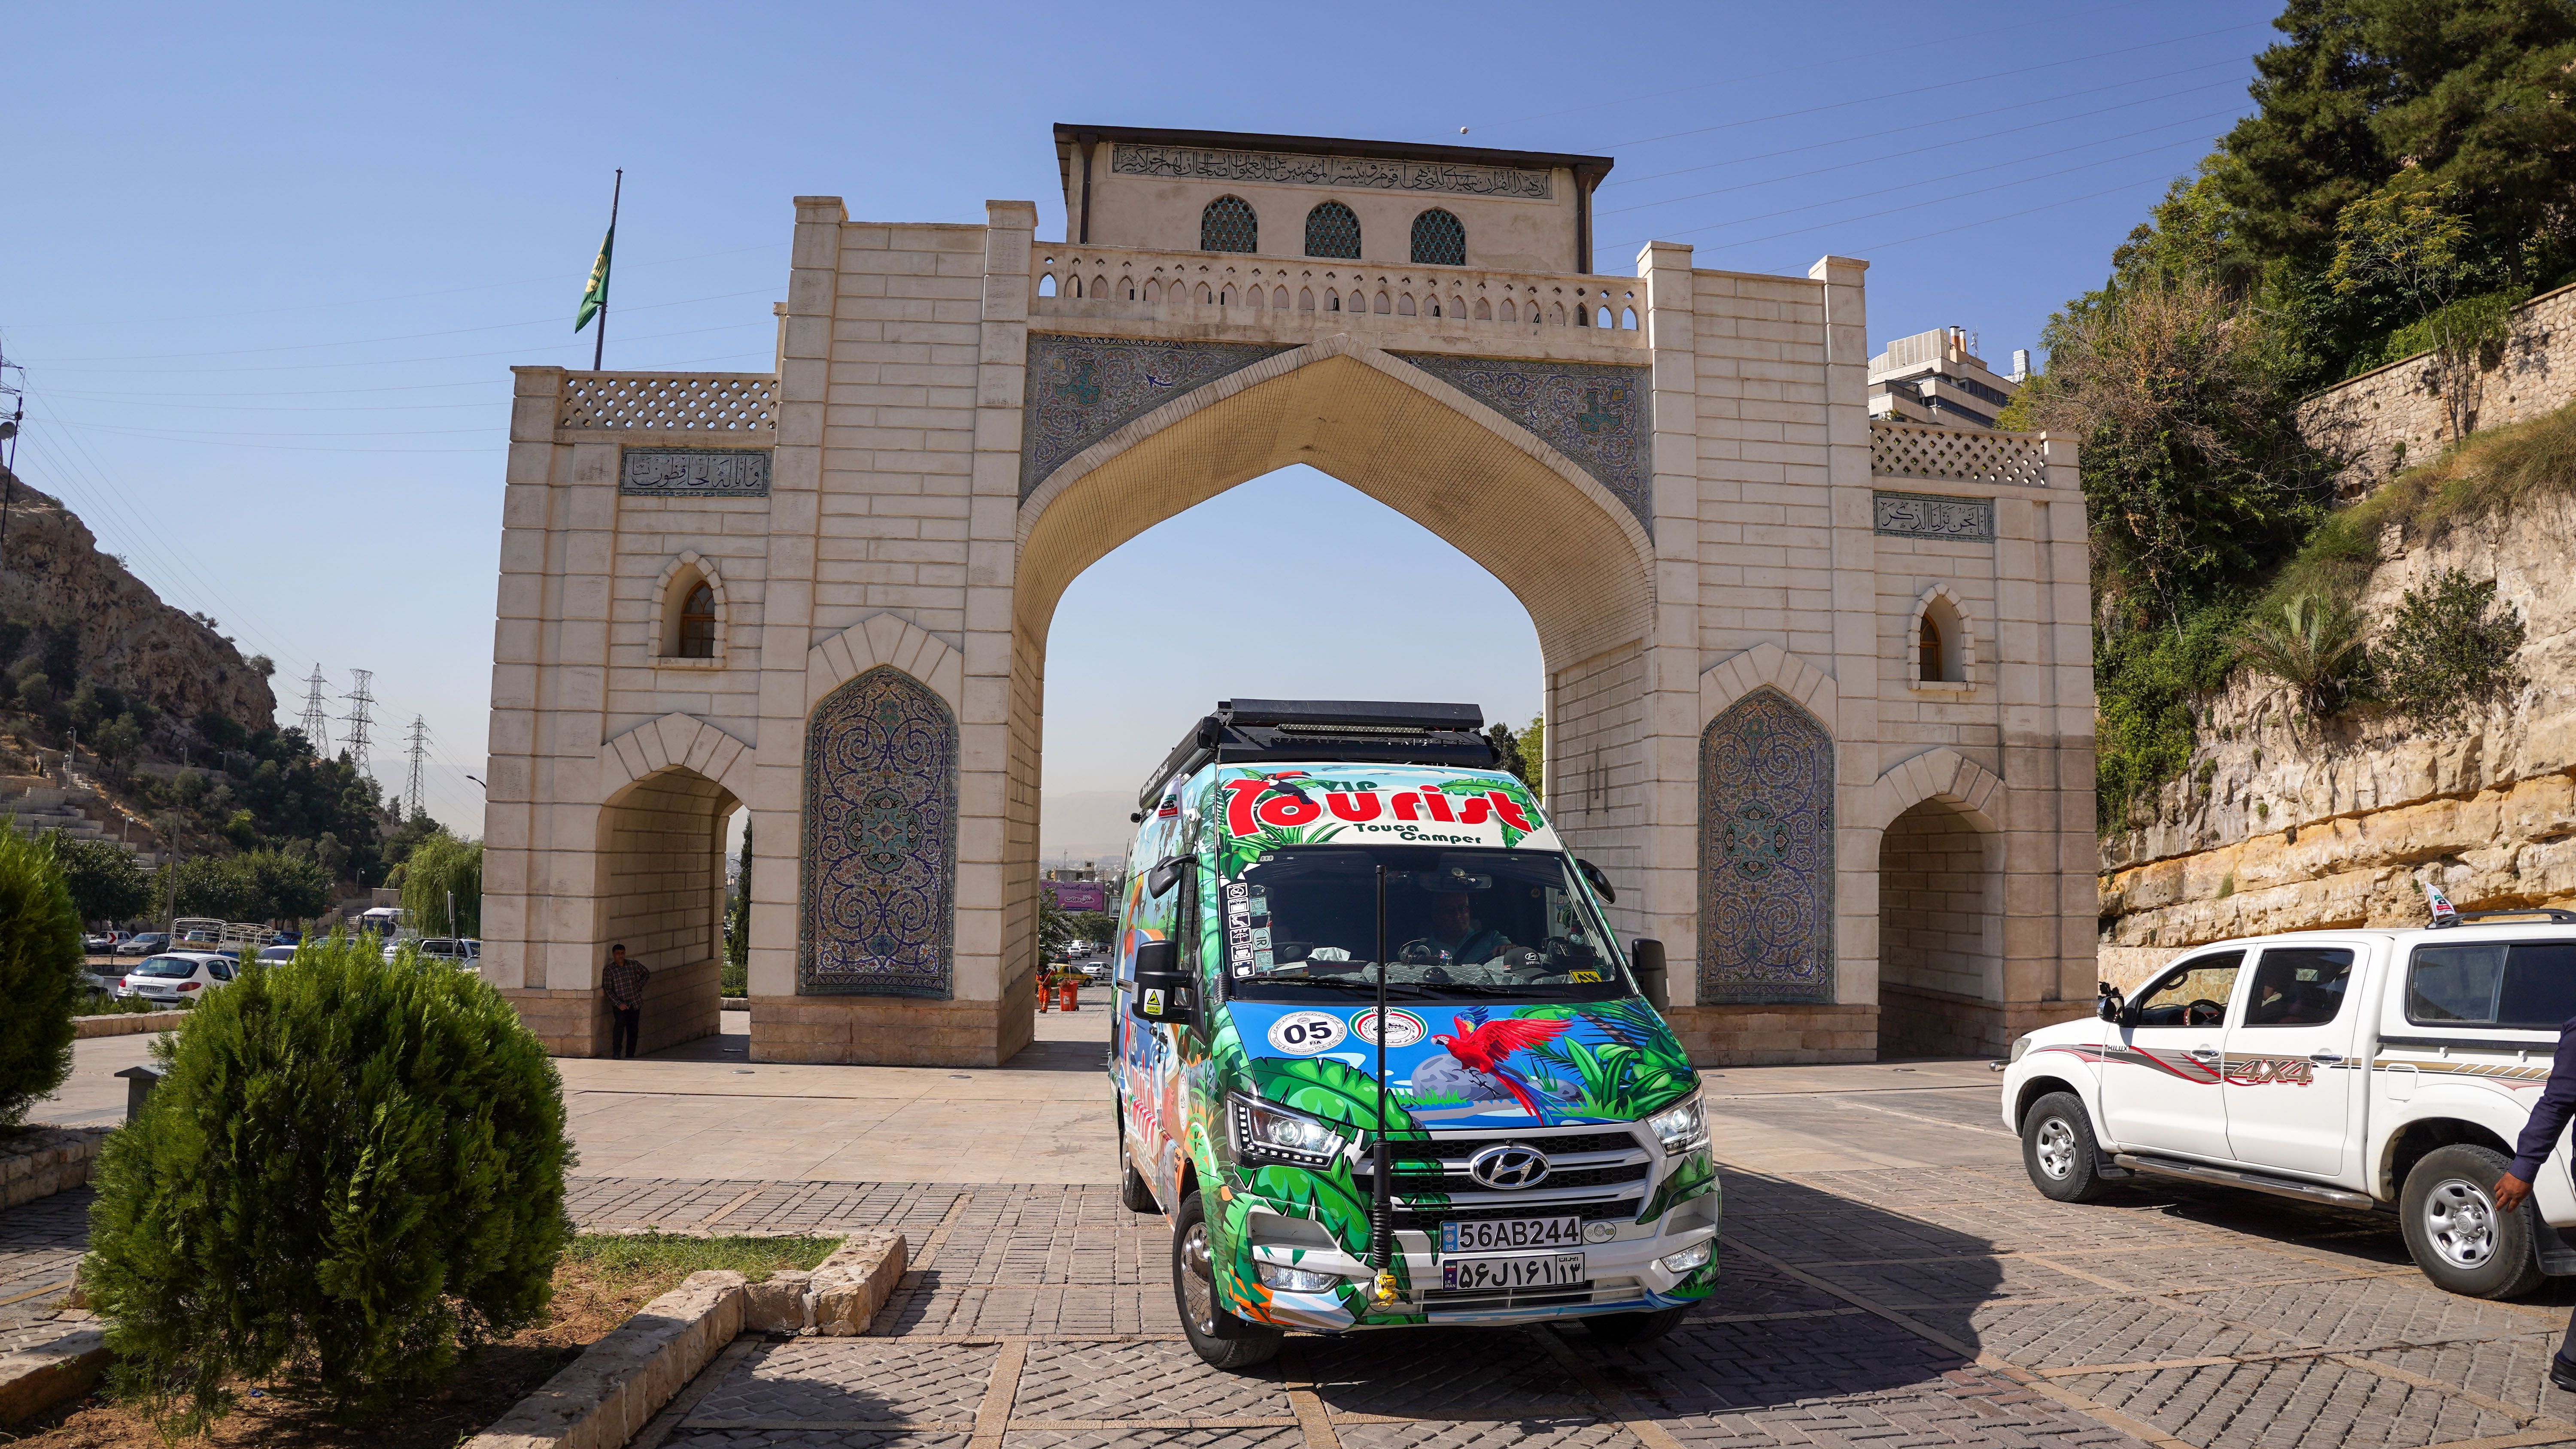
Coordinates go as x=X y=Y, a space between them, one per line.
x=1370 y=732
x=2555 y=915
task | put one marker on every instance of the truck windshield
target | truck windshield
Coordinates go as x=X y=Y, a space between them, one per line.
x=1461 y=925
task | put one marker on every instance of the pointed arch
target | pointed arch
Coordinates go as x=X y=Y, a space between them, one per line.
x=671 y=589
x=883 y=639
x=674 y=742
x=1950 y=650
x=1944 y=775
x=1769 y=665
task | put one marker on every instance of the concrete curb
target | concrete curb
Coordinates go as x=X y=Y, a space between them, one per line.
x=35 y=1379
x=126 y=1023
x=41 y=1161
x=609 y=1394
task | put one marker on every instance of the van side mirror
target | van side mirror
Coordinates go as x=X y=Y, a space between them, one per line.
x=1162 y=990
x=1166 y=874
x=1600 y=882
x=1647 y=957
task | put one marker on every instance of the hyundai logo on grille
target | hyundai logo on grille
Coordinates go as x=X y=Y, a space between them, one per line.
x=1509 y=1166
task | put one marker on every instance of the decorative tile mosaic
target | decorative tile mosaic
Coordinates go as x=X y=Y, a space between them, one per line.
x=695 y=473
x=1766 y=854
x=1199 y=163
x=1597 y=414
x=1082 y=389
x=1931 y=515
x=880 y=851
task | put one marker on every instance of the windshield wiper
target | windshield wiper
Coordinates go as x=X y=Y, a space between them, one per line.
x=1338 y=983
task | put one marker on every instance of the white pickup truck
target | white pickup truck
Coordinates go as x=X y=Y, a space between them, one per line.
x=2387 y=1069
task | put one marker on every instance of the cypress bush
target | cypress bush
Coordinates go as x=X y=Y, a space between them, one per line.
x=352 y=1174
x=40 y=975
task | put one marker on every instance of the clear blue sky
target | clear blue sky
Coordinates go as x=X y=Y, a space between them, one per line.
x=268 y=266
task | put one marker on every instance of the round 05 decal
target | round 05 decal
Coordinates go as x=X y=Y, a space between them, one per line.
x=1304 y=1033
x=1403 y=1028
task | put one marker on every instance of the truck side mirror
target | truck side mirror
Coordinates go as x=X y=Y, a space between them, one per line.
x=1162 y=990
x=1648 y=958
x=1599 y=881
x=1166 y=874
x=2107 y=1003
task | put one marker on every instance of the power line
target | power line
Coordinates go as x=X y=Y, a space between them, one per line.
x=315 y=714
x=361 y=701
x=401 y=336
x=419 y=752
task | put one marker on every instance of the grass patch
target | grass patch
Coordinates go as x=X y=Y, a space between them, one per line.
x=623 y=1256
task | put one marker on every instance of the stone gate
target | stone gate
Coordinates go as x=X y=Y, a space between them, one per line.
x=1818 y=690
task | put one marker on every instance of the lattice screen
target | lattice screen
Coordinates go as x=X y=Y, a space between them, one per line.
x=718 y=402
x=1913 y=451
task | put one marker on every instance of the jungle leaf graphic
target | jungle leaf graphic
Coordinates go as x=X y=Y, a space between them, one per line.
x=1243 y=850
x=1689 y=1178
x=1338 y=1093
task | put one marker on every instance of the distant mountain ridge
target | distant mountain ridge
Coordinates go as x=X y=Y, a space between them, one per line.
x=51 y=571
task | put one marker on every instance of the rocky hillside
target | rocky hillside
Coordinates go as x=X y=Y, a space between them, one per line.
x=51 y=569
x=2282 y=823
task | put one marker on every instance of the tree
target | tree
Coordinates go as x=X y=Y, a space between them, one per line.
x=2407 y=242
x=2467 y=93
x=1534 y=756
x=1055 y=925
x=40 y=975
x=441 y=868
x=352 y=1174
x=2315 y=646
x=117 y=743
x=2448 y=646
x=105 y=880
x=738 y=910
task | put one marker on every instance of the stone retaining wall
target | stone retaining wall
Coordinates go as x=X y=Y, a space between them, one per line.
x=41 y=1161
x=2381 y=419
x=126 y=1023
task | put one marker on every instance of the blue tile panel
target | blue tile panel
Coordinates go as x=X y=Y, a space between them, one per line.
x=1597 y=414
x=880 y=856
x=1082 y=389
x=1766 y=854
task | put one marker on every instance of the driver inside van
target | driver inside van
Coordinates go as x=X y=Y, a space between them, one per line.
x=1455 y=929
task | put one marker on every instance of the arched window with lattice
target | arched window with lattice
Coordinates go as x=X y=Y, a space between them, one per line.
x=1333 y=230
x=1228 y=225
x=698 y=623
x=1439 y=240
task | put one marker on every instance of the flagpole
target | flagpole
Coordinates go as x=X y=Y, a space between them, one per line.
x=599 y=342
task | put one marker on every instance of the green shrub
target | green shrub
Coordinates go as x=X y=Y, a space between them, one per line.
x=2314 y=645
x=41 y=981
x=2448 y=646
x=352 y=1174
x=2146 y=682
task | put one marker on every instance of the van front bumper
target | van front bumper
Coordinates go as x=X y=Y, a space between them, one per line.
x=1624 y=1275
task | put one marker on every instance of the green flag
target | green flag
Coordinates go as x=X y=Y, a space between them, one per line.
x=595 y=296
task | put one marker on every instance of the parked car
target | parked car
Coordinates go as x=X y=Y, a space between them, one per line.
x=466 y=952
x=143 y=945
x=277 y=955
x=2389 y=1069
x=103 y=943
x=1095 y=969
x=177 y=976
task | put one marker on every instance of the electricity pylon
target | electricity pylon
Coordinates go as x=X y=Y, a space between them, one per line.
x=362 y=702
x=315 y=714
x=419 y=759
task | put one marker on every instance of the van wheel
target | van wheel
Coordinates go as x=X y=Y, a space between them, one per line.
x=1133 y=1194
x=2454 y=1232
x=1220 y=1339
x=2058 y=1150
x=1643 y=1327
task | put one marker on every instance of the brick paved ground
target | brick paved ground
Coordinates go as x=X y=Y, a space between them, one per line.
x=1924 y=1297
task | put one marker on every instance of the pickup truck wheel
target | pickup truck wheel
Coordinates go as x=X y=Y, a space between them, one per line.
x=2058 y=1150
x=2454 y=1232
x=1220 y=1339
x=1133 y=1194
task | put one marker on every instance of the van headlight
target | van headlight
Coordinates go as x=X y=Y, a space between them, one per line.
x=1681 y=1126
x=1275 y=1134
x=1295 y=1280
x=1695 y=1256
x=2020 y=1045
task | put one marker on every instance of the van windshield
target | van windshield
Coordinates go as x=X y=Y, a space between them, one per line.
x=1461 y=925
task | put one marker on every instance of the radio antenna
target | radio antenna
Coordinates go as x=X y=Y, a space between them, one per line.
x=1381 y=1202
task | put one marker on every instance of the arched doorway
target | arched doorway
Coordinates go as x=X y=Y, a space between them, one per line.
x=661 y=893
x=1940 y=933
x=1575 y=555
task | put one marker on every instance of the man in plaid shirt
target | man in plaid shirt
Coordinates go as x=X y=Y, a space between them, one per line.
x=624 y=980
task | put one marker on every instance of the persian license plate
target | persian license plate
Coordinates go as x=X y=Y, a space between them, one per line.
x=1552 y=1270
x=1504 y=1235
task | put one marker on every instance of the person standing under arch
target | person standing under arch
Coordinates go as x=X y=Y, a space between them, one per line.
x=624 y=982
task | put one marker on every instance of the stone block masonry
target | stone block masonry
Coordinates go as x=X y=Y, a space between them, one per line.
x=1673 y=471
x=41 y=1161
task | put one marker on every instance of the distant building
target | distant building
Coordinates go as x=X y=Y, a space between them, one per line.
x=1932 y=377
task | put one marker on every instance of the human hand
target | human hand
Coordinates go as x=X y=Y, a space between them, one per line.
x=2511 y=1192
